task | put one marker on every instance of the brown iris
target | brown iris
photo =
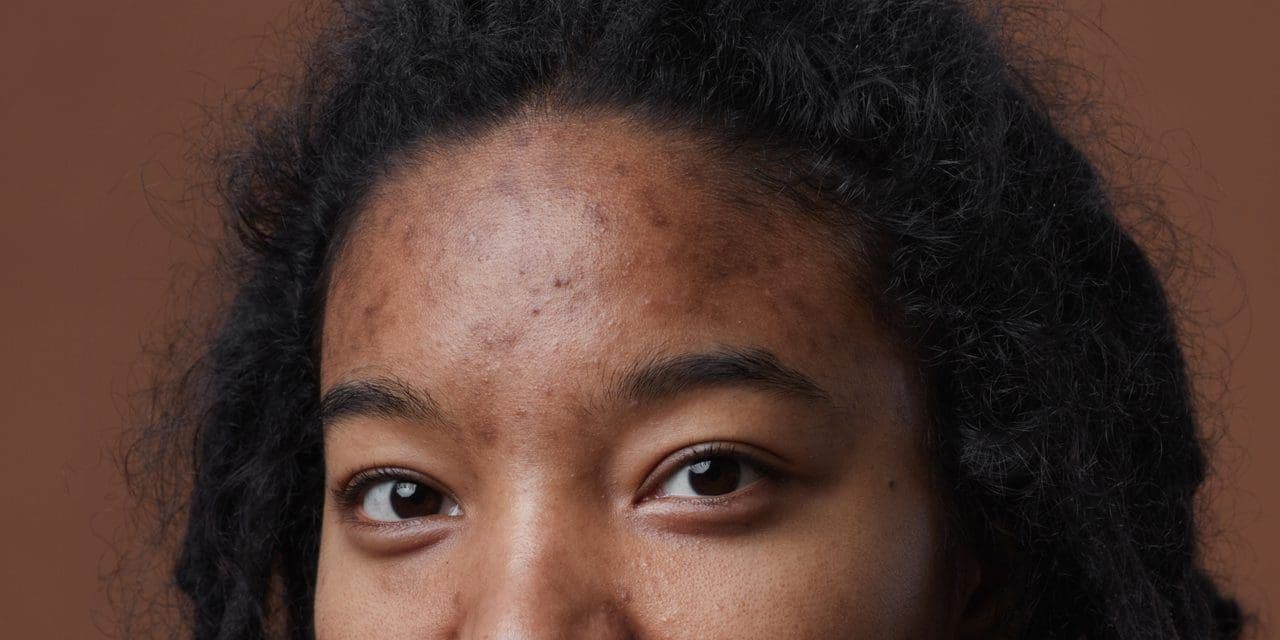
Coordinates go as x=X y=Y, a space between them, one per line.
x=714 y=476
x=413 y=500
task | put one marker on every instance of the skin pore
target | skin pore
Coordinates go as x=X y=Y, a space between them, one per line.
x=614 y=405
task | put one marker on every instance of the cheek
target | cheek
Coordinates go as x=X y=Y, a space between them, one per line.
x=360 y=596
x=873 y=574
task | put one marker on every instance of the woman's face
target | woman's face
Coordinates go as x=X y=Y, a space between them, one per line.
x=571 y=393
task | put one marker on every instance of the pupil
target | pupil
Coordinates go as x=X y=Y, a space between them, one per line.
x=412 y=500
x=714 y=476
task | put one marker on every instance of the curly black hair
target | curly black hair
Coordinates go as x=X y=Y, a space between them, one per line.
x=1063 y=421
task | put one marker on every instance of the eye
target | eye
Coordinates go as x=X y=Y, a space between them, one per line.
x=398 y=499
x=711 y=474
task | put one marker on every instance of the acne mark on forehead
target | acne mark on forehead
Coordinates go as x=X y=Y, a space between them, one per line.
x=505 y=184
x=596 y=216
x=410 y=239
x=501 y=341
x=621 y=169
x=374 y=307
x=493 y=338
x=724 y=257
x=893 y=484
x=560 y=282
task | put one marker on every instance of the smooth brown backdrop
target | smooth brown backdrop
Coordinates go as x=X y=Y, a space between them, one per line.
x=99 y=101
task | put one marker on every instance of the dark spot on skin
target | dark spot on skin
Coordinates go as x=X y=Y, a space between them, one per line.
x=813 y=342
x=698 y=304
x=487 y=434
x=501 y=342
x=621 y=169
x=384 y=224
x=522 y=139
x=535 y=311
x=893 y=484
x=560 y=281
x=650 y=197
x=659 y=221
x=506 y=185
x=717 y=257
x=375 y=307
x=801 y=305
x=493 y=338
x=596 y=214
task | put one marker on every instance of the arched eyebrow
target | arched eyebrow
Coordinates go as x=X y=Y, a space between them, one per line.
x=381 y=397
x=666 y=376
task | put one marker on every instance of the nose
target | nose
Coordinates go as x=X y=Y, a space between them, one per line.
x=542 y=576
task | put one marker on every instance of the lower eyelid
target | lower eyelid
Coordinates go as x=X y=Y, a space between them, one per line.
x=740 y=512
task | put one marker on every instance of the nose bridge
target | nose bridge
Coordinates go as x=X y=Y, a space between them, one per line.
x=542 y=570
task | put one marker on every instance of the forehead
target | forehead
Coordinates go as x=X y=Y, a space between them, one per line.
x=579 y=241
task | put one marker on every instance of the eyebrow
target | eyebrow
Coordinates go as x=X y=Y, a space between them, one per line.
x=664 y=377
x=658 y=378
x=380 y=397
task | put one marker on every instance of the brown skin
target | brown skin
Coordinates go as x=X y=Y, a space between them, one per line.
x=517 y=281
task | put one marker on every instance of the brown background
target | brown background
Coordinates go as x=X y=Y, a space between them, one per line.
x=98 y=104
